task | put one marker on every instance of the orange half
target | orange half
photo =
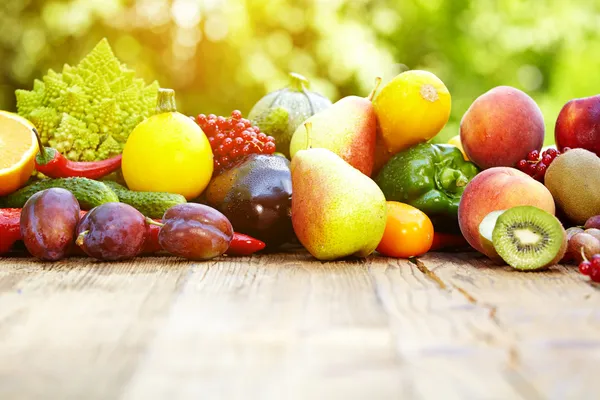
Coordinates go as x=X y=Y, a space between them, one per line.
x=18 y=148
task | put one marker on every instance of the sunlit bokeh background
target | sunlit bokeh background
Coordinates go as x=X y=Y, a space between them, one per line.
x=221 y=55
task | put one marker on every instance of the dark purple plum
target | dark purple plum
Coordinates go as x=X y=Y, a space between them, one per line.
x=195 y=231
x=112 y=231
x=48 y=223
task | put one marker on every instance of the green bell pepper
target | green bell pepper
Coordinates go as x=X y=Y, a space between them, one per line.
x=430 y=177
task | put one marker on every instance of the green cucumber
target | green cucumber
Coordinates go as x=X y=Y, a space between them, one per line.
x=151 y=204
x=88 y=192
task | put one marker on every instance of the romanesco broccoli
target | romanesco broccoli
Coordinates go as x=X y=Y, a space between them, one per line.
x=87 y=112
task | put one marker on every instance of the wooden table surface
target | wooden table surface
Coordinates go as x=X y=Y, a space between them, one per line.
x=285 y=326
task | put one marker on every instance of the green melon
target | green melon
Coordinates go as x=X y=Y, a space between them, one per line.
x=279 y=113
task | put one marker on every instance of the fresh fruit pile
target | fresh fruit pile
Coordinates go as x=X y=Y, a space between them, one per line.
x=351 y=178
x=233 y=138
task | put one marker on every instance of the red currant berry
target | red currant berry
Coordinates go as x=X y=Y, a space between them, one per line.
x=227 y=144
x=219 y=137
x=239 y=127
x=269 y=148
x=201 y=118
x=262 y=137
x=221 y=121
x=225 y=160
x=547 y=159
x=238 y=141
x=585 y=267
x=236 y=114
x=271 y=139
x=595 y=274
x=247 y=135
x=533 y=155
x=247 y=149
x=552 y=153
x=234 y=153
x=211 y=140
x=522 y=165
x=540 y=168
x=212 y=117
x=595 y=261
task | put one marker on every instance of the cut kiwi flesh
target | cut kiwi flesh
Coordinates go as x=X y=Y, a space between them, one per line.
x=529 y=238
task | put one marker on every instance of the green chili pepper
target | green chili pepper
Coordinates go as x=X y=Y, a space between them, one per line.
x=430 y=177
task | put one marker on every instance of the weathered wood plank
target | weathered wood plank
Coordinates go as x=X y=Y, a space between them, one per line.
x=287 y=326
x=553 y=318
x=76 y=329
x=295 y=328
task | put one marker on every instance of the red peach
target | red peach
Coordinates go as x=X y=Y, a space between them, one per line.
x=501 y=127
x=498 y=188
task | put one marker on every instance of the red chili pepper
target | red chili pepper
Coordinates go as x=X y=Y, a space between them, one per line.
x=10 y=228
x=151 y=245
x=51 y=163
x=448 y=241
x=244 y=245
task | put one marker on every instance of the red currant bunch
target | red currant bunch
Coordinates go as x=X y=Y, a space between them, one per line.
x=536 y=164
x=591 y=267
x=233 y=138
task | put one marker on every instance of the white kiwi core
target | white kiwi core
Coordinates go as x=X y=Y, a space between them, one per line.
x=525 y=236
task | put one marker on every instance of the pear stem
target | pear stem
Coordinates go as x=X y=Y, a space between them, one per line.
x=377 y=84
x=308 y=127
x=165 y=102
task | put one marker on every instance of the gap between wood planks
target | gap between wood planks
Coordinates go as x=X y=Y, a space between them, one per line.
x=518 y=381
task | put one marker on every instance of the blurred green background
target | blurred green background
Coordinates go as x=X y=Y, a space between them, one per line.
x=221 y=55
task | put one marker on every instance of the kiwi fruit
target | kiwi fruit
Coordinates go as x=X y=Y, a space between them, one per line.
x=573 y=178
x=529 y=238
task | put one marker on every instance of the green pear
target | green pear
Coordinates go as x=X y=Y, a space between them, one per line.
x=348 y=128
x=337 y=211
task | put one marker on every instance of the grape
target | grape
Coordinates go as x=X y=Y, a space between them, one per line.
x=593 y=222
x=195 y=231
x=583 y=243
x=48 y=223
x=112 y=231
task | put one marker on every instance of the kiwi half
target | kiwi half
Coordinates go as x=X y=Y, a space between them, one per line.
x=529 y=238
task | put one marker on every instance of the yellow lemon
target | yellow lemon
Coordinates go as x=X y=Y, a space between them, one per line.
x=168 y=152
x=411 y=108
x=455 y=141
x=18 y=147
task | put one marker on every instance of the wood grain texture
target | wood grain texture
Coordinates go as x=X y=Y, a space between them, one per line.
x=286 y=326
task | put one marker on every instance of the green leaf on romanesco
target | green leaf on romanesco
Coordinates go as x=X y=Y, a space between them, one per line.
x=88 y=111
